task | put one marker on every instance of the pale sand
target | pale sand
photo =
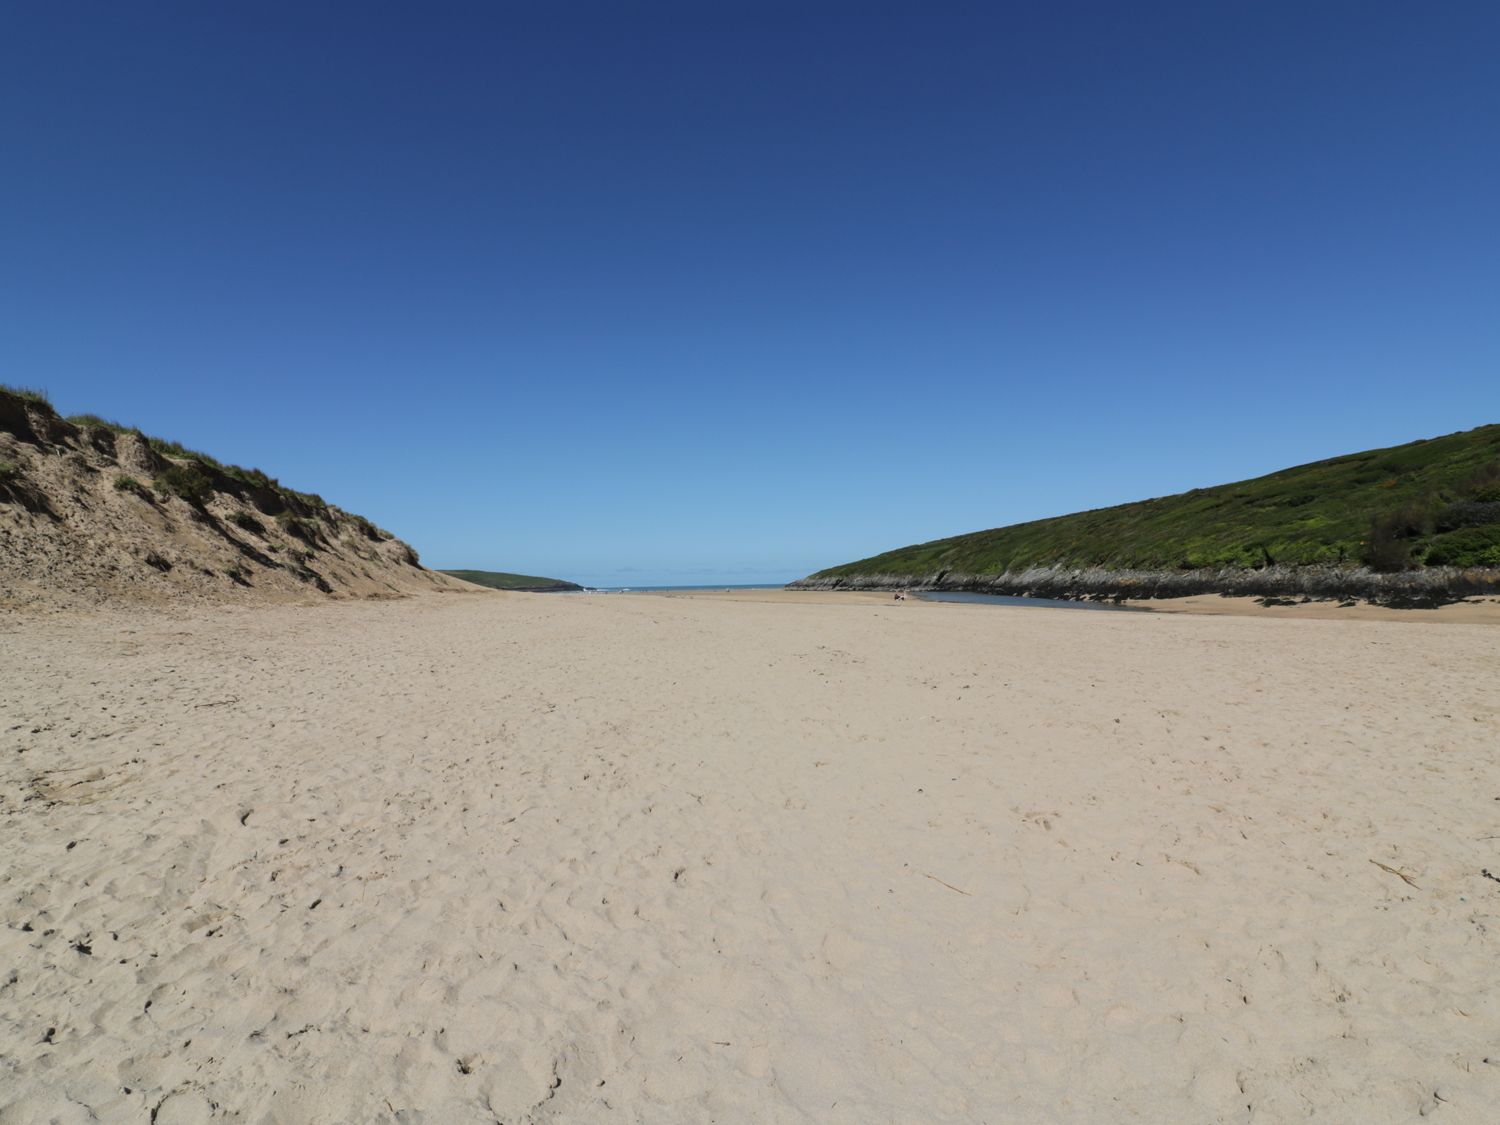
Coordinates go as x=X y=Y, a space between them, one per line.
x=1472 y=611
x=537 y=858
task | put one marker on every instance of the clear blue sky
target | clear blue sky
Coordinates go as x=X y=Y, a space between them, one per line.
x=669 y=292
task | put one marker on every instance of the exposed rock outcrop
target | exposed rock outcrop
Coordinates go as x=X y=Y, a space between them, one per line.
x=1428 y=586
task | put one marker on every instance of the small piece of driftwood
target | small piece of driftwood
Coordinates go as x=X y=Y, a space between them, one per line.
x=1399 y=874
x=947 y=884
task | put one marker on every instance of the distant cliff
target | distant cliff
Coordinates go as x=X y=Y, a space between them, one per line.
x=517 y=583
x=91 y=510
x=1416 y=523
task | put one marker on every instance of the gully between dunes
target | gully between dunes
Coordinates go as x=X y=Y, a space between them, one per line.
x=531 y=858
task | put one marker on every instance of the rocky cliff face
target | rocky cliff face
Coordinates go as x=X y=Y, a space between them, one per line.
x=1428 y=586
x=94 y=512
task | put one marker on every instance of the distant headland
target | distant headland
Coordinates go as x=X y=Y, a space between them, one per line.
x=1414 y=524
x=519 y=583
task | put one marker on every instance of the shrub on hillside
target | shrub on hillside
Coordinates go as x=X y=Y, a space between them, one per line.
x=298 y=527
x=366 y=528
x=1471 y=546
x=252 y=477
x=309 y=500
x=1484 y=486
x=247 y=522
x=1386 y=548
x=1468 y=513
x=186 y=482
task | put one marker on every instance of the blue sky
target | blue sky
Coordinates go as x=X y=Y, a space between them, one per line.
x=670 y=292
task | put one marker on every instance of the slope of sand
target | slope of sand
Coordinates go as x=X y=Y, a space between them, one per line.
x=72 y=536
x=539 y=858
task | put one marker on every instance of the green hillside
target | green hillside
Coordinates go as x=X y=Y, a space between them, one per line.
x=1429 y=503
x=499 y=580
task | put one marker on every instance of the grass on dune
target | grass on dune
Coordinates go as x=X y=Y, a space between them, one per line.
x=191 y=473
x=30 y=394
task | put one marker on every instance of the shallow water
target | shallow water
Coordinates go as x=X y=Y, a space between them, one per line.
x=1005 y=599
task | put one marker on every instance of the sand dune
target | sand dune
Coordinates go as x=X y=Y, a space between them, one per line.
x=90 y=516
x=530 y=858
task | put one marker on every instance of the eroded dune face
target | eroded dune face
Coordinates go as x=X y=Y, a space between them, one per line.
x=528 y=858
x=93 y=513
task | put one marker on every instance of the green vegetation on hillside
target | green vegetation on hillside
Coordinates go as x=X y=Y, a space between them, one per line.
x=499 y=580
x=1429 y=503
x=186 y=481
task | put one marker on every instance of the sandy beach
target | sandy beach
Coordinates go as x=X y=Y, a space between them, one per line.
x=793 y=858
x=1471 y=611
